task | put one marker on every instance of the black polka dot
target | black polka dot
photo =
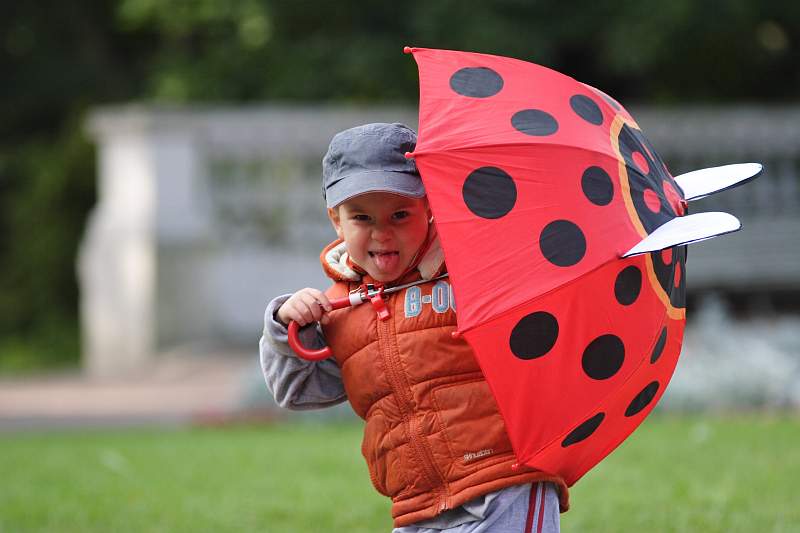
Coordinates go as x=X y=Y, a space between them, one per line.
x=603 y=357
x=642 y=399
x=534 y=122
x=597 y=186
x=562 y=243
x=659 y=347
x=534 y=335
x=476 y=82
x=587 y=109
x=628 y=285
x=489 y=192
x=584 y=430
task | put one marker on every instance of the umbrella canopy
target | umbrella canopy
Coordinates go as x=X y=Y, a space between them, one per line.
x=540 y=186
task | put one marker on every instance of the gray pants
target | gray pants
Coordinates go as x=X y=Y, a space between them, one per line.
x=531 y=508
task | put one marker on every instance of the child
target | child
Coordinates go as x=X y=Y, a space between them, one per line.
x=434 y=440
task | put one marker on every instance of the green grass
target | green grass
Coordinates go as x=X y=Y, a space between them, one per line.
x=699 y=474
x=674 y=474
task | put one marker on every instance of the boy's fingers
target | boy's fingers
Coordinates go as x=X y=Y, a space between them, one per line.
x=313 y=310
x=302 y=314
x=307 y=305
x=298 y=317
x=321 y=299
x=314 y=304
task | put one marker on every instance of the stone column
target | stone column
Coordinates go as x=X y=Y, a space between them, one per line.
x=144 y=197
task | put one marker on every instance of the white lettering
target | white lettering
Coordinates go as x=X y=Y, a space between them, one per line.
x=471 y=456
x=413 y=306
x=440 y=299
x=441 y=296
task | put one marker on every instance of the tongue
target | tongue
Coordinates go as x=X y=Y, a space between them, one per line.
x=386 y=262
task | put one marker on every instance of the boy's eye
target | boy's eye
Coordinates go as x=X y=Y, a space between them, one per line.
x=401 y=214
x=362 y=218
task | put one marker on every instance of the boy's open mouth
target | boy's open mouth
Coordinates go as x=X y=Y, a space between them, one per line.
x=385 y=260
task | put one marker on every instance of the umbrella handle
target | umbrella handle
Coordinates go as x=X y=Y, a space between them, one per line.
x=325 y=351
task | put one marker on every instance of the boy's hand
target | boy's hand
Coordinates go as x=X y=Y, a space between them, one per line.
x=305 y=306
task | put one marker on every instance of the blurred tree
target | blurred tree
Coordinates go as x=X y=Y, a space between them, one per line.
x=316 y=50
x=58 y=59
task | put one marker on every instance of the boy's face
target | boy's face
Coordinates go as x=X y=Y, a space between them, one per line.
x=382 y=231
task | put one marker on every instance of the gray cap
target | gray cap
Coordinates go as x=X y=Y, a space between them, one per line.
x=370 y=158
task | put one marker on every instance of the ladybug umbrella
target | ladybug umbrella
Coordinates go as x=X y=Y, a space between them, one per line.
x=563 y=233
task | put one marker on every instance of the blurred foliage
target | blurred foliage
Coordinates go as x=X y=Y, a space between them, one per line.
x=59 y=59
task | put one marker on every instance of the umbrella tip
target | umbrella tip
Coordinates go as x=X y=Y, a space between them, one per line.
x=456 y=334
x=515 y=467
x=409 y=155
x=407 y=49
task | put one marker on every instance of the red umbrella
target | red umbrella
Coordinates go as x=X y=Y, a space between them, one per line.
x=563 y=233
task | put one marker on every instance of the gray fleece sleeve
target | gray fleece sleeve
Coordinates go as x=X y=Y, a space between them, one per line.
x=296 y=383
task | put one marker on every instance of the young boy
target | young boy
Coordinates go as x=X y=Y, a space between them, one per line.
x=434 y=440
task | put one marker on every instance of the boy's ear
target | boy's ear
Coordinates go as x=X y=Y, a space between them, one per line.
x=333 y=215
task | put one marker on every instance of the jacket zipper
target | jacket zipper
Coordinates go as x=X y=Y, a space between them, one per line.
x=402 y=392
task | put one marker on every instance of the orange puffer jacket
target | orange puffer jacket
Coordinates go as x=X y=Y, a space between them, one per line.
x=434 y=438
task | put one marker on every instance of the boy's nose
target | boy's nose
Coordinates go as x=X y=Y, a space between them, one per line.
x=381 y=234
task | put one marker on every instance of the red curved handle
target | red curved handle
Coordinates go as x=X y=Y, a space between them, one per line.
x=302 y=351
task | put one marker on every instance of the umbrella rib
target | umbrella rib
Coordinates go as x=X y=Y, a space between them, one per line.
x=448 y=150
x=512 y=310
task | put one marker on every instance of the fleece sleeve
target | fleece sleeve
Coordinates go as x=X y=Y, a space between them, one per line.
x=296 y=383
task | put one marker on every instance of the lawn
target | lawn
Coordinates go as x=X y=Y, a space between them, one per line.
x=675 y=474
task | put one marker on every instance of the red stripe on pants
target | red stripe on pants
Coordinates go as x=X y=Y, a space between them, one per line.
x=532 y=510
x=541 y=510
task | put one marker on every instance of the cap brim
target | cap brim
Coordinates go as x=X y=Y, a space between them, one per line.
x=360 y=183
